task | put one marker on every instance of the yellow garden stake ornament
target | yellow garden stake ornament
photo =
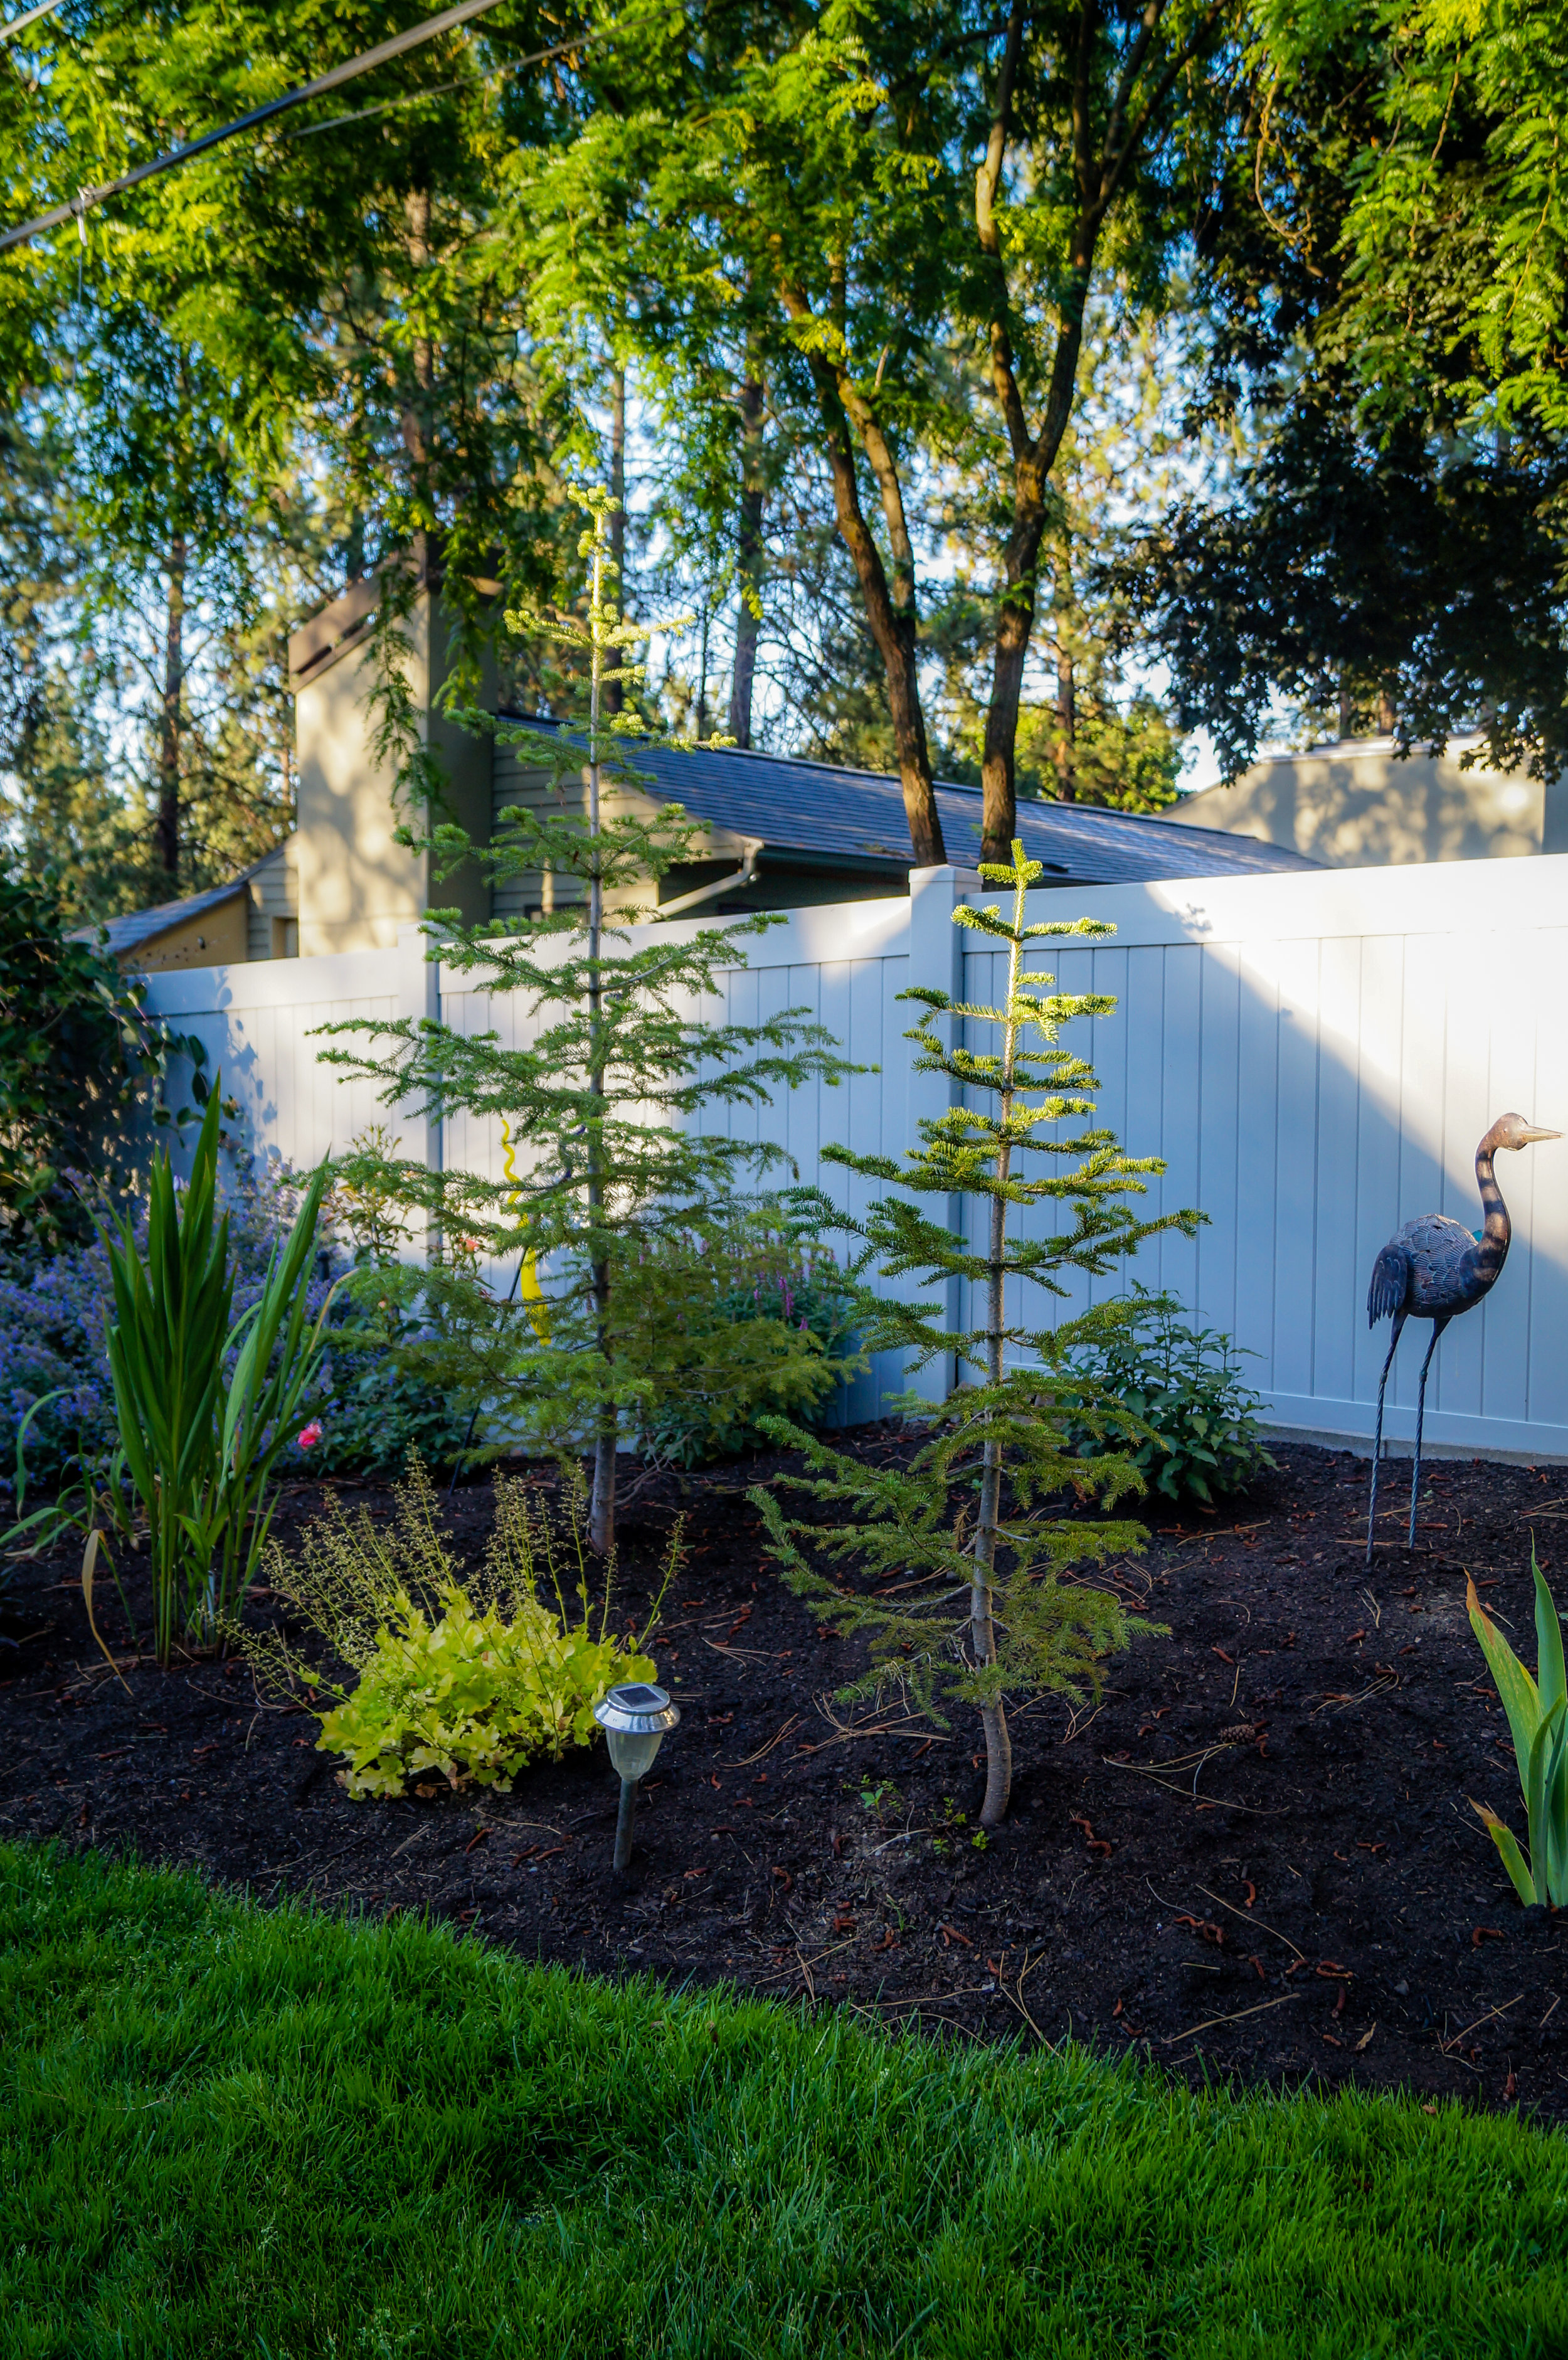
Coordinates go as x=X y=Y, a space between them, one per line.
x=525 y=1282
x=529 y=1286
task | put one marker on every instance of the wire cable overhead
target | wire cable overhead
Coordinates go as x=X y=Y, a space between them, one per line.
x=76 y=208
x=30 y=16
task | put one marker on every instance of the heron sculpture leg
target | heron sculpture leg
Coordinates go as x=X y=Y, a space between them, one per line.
x=1399 y=1318
x=1437 y=1328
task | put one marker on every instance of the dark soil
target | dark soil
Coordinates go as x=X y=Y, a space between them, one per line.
x=1256 y=1859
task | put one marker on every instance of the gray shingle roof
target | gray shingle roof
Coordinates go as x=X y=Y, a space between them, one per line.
x=817 y=808
x=141 y=925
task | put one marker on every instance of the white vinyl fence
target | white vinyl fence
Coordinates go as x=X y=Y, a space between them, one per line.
x=1313 y=1056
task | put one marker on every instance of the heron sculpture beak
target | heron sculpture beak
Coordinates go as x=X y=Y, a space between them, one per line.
x=1532 y=1135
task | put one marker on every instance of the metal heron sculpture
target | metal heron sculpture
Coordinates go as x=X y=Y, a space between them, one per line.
x=1433 y=1270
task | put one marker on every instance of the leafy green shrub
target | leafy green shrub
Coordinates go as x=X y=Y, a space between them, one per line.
x=468 y=1679
x=382 y=1392
x=1182 y=1383
x=373 y=1411
x=81 y=1065
x=767 y=1329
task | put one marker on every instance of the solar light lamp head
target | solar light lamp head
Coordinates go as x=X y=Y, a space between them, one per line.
x=634 y=1718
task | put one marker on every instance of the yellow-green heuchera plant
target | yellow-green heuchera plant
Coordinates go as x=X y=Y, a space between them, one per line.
x=466 y=1680
x=1538 y=1717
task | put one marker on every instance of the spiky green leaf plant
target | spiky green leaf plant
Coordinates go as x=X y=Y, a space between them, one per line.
x=961 y=1556
x=1538 y=1717
x=198 y=1438
x=608 y=1087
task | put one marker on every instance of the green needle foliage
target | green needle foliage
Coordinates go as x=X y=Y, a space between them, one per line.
x=204 y=1406
x=978 y=1517
x=1538 y=1717
x=621 y=1184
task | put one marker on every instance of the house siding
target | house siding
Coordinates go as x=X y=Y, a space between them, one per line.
x=274 y=895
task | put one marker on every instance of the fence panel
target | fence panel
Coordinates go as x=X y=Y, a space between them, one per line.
x=260 y=1025
x=1316 y=1058
x=1313 y=1056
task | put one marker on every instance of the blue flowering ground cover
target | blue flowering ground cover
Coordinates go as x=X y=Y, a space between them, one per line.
x=54 y=1317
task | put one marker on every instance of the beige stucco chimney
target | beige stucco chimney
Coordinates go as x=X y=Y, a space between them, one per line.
x=357 y=883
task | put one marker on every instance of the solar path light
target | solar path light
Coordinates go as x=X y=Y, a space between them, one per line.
x=633 y=1720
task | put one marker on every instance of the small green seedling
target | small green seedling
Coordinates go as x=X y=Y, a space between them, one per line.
x=1538 y=1716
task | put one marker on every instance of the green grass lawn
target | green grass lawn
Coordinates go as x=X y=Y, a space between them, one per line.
x=225 y=2129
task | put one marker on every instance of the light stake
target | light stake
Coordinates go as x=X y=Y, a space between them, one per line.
x=633 y=1720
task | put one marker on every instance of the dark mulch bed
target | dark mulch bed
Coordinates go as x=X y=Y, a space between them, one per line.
x=1256 y=1860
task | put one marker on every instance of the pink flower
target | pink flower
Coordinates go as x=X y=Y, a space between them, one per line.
x=308 y=1435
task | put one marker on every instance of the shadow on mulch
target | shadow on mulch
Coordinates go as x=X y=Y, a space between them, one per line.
x=1256 y=1860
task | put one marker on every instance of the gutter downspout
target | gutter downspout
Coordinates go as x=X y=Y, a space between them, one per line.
x=753 y=846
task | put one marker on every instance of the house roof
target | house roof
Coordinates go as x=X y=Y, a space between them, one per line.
x=858 y=815
x=138 y=926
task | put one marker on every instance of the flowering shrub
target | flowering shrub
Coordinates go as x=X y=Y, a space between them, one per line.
x=471 y=1681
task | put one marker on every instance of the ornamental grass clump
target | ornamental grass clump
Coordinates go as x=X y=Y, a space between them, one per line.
x=206 y=1404
x=465 y=1679
x=1538 y=1721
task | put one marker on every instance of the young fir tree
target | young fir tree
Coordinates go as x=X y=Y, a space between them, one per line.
x=980 y=1515
x=613 y=1194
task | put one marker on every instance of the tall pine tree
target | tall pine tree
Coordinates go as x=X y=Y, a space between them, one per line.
x=616 y=1193
x=983 y=1514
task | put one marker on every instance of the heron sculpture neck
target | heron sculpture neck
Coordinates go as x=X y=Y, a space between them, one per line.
x=1495 y=1227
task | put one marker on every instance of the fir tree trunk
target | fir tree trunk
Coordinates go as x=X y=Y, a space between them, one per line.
x=602 y=1503
x=613 y=699
x=170 y=716
x=749 y=552
x=981 y=1626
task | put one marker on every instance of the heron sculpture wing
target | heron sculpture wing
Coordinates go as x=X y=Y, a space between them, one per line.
x=1390 y=1280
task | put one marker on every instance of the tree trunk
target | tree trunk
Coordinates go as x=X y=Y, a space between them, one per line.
x=1346 y=709
x=890 y=609
x=1066 y=699
x=998 y=778
x=602 y=1502
x=748 y=613
x=981 y=1626
x=417 y=414
x=616 y=656
x=172 y=716
x=1388 y=714
x=892 y=628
